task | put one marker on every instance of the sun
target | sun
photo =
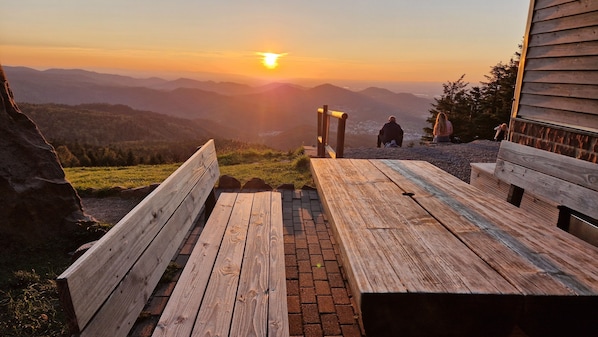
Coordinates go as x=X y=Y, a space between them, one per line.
x=270 y=60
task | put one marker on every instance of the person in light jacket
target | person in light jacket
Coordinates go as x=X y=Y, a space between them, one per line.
x=501 y=132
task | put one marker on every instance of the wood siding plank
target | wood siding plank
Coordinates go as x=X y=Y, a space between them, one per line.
x=572 y=77
x=565 y=9
x=562 y=22
x=541 y=4
x=581 y=63
x=563 y=37
x=588 y=106
x=561 y=90
x=565 y=50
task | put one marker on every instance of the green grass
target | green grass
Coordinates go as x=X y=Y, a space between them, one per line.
x=274 y=167
x=28 y=297
x=103 y=178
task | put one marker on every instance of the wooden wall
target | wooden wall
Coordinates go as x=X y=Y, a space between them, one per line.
x=552 y=150
x=556 y=102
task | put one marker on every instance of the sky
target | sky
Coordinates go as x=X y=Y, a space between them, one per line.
x=321 y=41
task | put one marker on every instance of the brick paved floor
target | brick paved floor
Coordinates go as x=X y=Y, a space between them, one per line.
x=319 y=301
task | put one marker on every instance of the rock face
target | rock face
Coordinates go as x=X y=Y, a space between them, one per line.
x=36 y=200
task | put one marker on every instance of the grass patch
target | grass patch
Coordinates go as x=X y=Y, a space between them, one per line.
x=104 y=178
x=274 y=167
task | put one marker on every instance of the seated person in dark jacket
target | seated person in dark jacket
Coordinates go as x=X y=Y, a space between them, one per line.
x=390 y=132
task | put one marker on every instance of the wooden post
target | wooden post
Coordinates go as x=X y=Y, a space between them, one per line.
x=515 y=195
x=340 y=139
x=320 y=149
x=325 y=127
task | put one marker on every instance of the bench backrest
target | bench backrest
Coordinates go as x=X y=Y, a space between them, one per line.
x=104 y=291
x=564 y=180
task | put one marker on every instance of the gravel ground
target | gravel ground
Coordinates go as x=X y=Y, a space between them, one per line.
x=453 y=158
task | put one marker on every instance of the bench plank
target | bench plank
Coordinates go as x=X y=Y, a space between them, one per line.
x=251 y=309
x=180 y=313
x=234 y=283
x=278 y=318
x=86 y=284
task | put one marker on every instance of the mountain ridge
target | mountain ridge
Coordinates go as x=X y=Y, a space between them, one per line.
x=259 y=113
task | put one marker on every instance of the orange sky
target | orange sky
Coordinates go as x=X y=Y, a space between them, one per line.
x=398 y=40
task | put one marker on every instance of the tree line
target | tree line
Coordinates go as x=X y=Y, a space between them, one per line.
x=476 y=110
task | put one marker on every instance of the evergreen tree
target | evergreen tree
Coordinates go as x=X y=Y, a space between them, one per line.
x=476 y=111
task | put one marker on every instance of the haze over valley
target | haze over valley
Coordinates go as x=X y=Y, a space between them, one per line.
x=280 y=115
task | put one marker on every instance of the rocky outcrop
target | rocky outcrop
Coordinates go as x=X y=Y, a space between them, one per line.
x=36 y=200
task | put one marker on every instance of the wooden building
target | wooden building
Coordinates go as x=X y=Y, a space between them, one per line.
x=551 y=156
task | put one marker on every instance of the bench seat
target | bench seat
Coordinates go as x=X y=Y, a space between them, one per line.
x=234 y=282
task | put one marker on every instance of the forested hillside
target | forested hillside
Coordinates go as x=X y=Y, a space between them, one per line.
x=111 y=135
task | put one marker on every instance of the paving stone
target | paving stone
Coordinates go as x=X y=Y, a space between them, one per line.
x=330 y=324
x=310 y=313
x=326 y=304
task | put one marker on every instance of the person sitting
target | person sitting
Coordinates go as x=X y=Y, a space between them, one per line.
x=391 y=134
x=443 y=129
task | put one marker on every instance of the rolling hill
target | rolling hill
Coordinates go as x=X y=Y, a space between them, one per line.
x=280 y=114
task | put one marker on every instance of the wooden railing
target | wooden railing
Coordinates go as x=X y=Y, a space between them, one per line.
x=323 y=131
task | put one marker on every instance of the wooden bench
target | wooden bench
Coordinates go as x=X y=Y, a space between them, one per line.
x=234 y=282
x=427 y=254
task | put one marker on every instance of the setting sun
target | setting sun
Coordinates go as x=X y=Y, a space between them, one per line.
x=270 y=60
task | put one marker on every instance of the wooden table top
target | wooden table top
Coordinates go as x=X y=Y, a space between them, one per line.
x=407 y=227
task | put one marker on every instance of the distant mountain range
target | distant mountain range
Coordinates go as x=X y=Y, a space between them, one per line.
x=281 y=115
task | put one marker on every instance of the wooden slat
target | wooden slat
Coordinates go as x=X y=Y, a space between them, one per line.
x=234 y=283
x=561 y=103
x=110 y=259
x=572 y=77
x=584 y=63
x=559 y=191
x=278 y=318
x=483 y=178
x=562 y=22
x=541 y=4
x=342 y=213
x=571 y=119
x=546 y=253
x=250 y=317
x=563 y=37
x=569 y=169
x=215 y=314
x=561 y=90
x=565 y=50
x=564 y=9
x=180 y=312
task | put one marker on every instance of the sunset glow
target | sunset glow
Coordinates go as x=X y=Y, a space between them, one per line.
x=270 y=60
x=394 y=41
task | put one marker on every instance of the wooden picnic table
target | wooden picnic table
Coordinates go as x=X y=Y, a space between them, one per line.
x=427 y=254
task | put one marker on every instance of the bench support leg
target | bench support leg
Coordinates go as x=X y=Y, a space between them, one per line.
x=210 y=203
